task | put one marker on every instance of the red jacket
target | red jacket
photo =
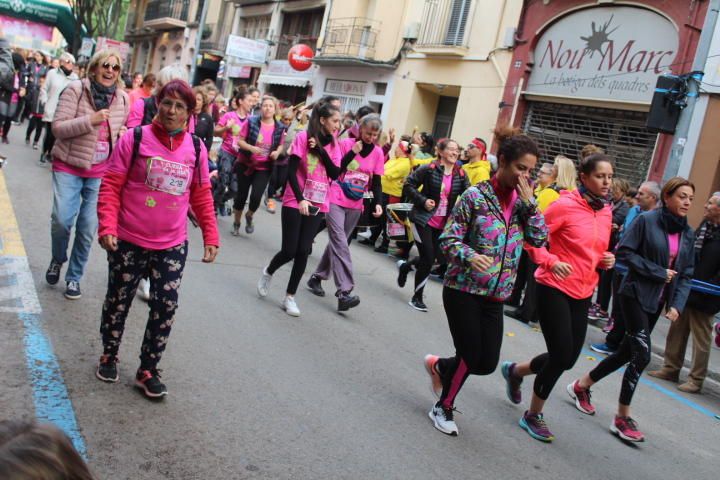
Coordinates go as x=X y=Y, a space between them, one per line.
x=578 y=235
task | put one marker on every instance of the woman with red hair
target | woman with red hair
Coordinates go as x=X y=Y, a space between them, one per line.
x=155 y=174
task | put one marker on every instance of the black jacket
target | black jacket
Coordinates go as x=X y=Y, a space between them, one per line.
x=707 y=269
x=430 y=178
x=644 y=249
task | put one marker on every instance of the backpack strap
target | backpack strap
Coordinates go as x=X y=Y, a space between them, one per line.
x=196 y=143
x=137 y=138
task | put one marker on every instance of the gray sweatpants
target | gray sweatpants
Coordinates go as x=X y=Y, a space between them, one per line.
x=341 y=222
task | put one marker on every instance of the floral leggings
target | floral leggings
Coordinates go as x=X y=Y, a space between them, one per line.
x=127 y=265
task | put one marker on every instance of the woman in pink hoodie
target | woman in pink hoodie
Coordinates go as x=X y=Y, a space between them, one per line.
x=155 y=174
x=579 y=223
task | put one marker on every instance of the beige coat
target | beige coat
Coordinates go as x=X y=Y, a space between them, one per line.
x=76 y=137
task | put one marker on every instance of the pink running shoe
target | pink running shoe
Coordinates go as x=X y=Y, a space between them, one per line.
x=627 y=429
x=435 y=381
x=581 y=397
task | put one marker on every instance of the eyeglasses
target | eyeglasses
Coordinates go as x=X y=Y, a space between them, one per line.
x=169 y=104
x=111 y=66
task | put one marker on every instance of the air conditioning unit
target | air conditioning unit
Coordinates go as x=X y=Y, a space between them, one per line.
x=412 y=31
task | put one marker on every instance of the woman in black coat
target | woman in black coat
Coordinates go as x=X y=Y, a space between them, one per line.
x=658 y=249
x=442 y=181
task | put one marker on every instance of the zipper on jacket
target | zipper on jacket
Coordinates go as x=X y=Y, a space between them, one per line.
x=500 y=217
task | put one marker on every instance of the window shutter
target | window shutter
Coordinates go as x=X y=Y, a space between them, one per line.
x=456 y=26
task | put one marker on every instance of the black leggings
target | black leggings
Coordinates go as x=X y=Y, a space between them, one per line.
x=563 y=320
x=429 y=248
x=49 y=140
x=257 y=181
x=476 y=326
x=278 y=179
x=634 y=349
x=616 y=335
x=298 y=232
x=36 y=124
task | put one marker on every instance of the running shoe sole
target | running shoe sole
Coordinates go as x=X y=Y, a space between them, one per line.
x=526 y=427
x=106 y=379
x=452 y=433
x=435 y=381
x=70 y=296
x=505 y=370
x=419 y=309
x=600 y=350
x=147 y=393
x=614 y=430
x=571 y=392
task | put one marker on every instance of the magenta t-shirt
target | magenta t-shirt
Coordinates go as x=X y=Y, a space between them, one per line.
x=674 y=246
x=155 y=199
x=99 y=161
x=311 y=174
x=441 y=212
x=230 y=138
x=264 y=141
x=359 y=172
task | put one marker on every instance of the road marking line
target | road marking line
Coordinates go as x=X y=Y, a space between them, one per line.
x=18 y=295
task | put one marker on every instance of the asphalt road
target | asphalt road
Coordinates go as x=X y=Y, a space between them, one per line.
x=256 y=394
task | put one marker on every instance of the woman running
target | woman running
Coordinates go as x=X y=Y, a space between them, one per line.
x=433 y=189
x=261 y=137
x=658 y=250
x=579 y=225
x=482 y=240
x=314 y=161
x=365 y=167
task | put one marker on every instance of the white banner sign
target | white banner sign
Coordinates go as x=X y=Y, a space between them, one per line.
x=122 y=48
x=246 y=49
x=604 y=53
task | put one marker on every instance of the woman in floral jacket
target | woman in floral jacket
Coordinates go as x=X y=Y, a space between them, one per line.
x=482 y=241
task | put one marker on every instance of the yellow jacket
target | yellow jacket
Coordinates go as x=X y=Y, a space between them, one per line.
x=396 y=170
x=477 y=171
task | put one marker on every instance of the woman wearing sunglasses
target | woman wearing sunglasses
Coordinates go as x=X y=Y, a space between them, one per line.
x=89 y=119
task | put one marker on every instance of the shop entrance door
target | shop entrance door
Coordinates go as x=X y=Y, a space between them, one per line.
x=444 y=117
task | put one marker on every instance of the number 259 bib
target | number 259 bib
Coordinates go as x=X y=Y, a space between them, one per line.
x=166 y=176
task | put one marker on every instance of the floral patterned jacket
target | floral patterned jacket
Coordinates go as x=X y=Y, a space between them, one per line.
x=477 y=226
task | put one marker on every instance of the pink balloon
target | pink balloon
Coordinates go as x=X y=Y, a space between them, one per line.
x=299 y=57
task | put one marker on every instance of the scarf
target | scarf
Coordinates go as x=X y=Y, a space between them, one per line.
x=673 y=224
x=325 y=138
x=707 y=231
x=101 y=95
x=66 y=71
x=596 y=202
x=172 y=140
x=366 y=149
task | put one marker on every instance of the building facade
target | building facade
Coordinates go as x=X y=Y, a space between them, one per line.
x=585 y=72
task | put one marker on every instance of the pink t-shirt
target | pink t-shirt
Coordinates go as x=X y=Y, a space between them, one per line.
x=311 y=174
x=99 y=162
x=156 y=195
x=674 y=246
x=359 y=172
x=508 y=209
x=230 y=137
x=441 y=212
x=264 y=141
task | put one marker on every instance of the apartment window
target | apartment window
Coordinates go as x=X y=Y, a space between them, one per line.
x=299 y=27
x=380 y=88
x=445 y=23
x=256 y=28
x=458 y=18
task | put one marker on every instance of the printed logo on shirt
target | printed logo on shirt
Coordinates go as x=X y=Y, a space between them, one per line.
x=312 y=162
x=150 y=201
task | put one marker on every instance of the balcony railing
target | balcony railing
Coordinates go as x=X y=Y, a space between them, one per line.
x=167 y=14
x=351 y=37
x=286 y=42
x=446 y=24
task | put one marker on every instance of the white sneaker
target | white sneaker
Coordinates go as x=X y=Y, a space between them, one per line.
x=443 y=420
x=143 y=290
x=264 y=283
x=290 y=306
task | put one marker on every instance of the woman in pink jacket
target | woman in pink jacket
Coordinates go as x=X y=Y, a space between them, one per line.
x=156 y=173
x=89 y=119
x=579 y=225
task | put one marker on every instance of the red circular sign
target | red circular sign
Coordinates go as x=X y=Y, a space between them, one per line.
x=299 y=57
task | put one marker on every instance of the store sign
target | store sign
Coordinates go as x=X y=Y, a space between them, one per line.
x=282 y=67
x=108 y=43
x=246 y=49
x=239 y=71
x=345 y=87
x=604 y=53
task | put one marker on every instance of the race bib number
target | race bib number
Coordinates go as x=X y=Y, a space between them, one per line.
x=442 y=208
x=315 y=191
x=357 y=179
x=166 y=176
x=102 y=152
x=395 y=229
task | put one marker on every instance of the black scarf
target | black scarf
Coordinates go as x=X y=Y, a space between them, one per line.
x=325 y=138
x=707 y=231
x=596 y=202
x=66 y=71
x=672 y=223
x=366 y=149
x=101 y=94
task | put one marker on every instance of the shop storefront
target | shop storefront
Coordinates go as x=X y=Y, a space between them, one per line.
x=285 y=83
x=589 y=73
x=356 y=86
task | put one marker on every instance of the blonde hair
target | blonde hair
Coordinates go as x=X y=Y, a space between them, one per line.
x=100 y=57
x=565 y=173
x=202 y=91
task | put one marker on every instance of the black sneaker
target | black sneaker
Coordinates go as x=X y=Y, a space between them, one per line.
x=381 y=249
x=404 y=269
x=366 y=241
x=418 y=304
x=314 y=284
x=72 y=292
x=249 y=227
x=27 y=141
x=52 y=276
x=149 y=382
x=347 y=301
x=107 y=369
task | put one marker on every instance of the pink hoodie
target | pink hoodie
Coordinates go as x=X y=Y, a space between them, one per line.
x=578 y=235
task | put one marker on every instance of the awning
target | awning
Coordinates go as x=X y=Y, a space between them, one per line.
x=283 y=80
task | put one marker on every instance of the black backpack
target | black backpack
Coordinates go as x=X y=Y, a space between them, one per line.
x=7 y=68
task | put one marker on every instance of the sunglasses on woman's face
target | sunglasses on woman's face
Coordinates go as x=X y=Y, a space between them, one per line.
x=111 y=66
